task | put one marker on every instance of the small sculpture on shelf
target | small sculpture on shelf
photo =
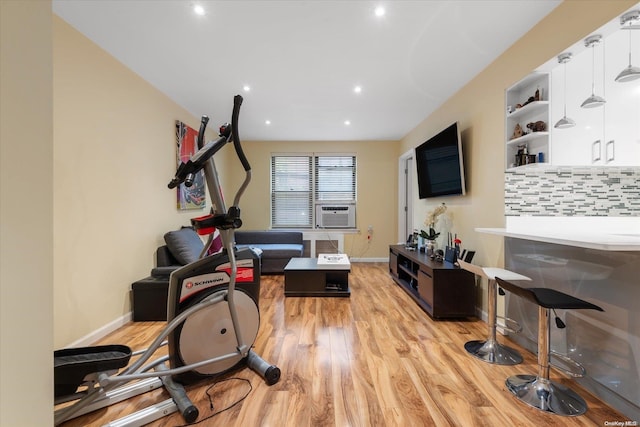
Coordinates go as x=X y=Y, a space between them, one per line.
x=538 y=126
x=523 y=157
x=517 y=132
x=535 y=97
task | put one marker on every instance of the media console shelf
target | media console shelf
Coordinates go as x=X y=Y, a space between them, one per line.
x=439 y=288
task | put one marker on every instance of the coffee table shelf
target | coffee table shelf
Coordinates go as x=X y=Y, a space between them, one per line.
x=303 y=277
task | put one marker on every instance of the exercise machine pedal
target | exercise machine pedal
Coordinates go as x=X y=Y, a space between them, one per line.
x=72 y=365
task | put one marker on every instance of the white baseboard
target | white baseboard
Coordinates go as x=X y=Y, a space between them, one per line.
x=481 y=314
x=102 y=332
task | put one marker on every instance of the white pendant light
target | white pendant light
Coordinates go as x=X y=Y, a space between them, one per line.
x=629 y=21
x=565 y=122
x=593 y=100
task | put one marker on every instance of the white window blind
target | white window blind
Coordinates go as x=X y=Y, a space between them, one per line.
x=335 y=178
x=291 y=191
x=297 y=181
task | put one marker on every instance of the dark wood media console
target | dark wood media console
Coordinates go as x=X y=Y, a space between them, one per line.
x=440 y=288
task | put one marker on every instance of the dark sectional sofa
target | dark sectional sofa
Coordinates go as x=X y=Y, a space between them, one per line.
x=149 y=295
x=277 y=247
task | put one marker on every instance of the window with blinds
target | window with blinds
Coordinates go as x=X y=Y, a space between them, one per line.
x=291 y=191
x=299 y=180
x=335 y=178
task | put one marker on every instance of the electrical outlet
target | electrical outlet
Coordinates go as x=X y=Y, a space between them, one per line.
x=370 y=229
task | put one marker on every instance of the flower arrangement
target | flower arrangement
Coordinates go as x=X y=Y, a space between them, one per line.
x=430 y=221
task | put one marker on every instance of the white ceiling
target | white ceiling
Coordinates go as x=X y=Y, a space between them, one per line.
x=302 y=59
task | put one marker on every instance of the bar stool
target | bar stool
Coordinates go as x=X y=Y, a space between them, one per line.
x=538 y=391
x=490 y=350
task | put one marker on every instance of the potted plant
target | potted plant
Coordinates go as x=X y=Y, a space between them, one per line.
x=432 y=234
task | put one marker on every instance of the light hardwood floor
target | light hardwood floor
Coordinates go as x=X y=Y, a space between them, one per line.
x=374 y=359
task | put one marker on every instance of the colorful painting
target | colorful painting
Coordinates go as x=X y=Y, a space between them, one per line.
x=189 y=197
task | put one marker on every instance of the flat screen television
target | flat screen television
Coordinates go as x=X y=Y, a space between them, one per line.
x=440 y=164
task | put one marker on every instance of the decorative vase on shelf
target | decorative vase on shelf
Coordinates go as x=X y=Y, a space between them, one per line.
x=430 y=248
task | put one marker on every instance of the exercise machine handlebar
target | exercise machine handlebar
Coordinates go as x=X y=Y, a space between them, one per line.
x=237 y=103
x=187 y=169
x=228 y=133
x=203 y=126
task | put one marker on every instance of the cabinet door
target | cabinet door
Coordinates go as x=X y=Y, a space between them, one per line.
x=589 y=142
x=393 y=263
x=572 y=146
x=425 y=286
x=621 y=145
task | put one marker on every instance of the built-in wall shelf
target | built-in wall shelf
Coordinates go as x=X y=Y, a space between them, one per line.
x=533 y=166
x=533 y=107
x=528 y=137
x=535 y=85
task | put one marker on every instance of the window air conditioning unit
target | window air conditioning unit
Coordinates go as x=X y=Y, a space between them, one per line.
x=336 y=216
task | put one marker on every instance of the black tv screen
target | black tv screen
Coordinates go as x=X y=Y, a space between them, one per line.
x=440 y=165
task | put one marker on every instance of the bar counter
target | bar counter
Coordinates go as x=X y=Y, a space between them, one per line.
x=599 y=267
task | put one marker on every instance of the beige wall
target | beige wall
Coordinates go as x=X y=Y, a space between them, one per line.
x=377 y=172
x=26 y=212
x=480 y=109
x=114 y=153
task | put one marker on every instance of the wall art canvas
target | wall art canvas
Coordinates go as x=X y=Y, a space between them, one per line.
x=193 y=197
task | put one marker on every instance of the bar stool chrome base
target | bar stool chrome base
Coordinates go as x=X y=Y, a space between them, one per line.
x=491 y=351
x=539 y=391
x=546 y=395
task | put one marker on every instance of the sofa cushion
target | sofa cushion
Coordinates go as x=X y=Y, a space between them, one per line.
x=268 y=237
x=164 y=257
x=276 y=250
x=184 y=244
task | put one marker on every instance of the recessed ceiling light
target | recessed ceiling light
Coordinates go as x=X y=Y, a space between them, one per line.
x=246 y=88
x=347 y=122
x=267 y=122
x=357 y=89
x=379 y=11
x=198 y=10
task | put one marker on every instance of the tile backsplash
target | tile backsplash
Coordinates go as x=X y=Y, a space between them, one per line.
x=573 y=191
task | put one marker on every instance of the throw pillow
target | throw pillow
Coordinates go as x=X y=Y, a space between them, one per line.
x=184 y=244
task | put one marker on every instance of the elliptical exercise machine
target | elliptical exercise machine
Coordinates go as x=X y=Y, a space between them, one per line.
x=211 y=324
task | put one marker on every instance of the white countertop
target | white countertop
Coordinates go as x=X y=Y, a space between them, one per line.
x=603 y=233
x=605 y=242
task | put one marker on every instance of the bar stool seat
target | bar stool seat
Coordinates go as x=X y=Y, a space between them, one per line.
x=490 y=350
x=537 y=390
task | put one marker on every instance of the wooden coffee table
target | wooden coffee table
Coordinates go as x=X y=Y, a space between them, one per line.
x=305 y=277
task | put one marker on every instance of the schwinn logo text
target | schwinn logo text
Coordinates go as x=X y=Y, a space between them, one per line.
x=196 y=284
x=205 y=282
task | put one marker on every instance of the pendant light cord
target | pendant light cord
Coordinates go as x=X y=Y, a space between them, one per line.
x=565 y=88
x=630 y=47
x=604 y=89
x=593 y=69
